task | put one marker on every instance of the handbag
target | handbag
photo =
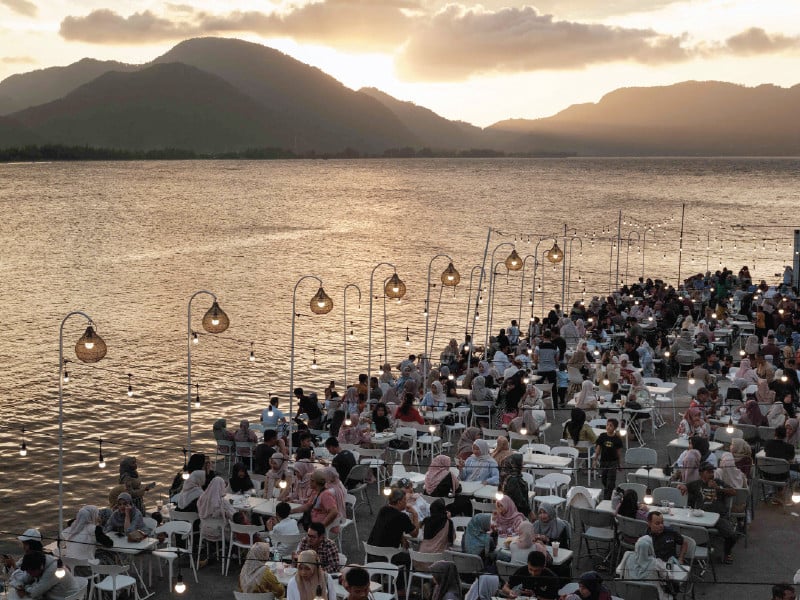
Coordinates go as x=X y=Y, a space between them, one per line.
x=137 y=535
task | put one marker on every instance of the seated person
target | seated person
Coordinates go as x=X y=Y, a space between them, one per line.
x=283 y=524
x=326 y=549
x=667 y=542
x=126 y=518
x=549 y=528
x=480 y=466
x=343 y=460
x=255 y=576
x=41 y=568
x=534 y=579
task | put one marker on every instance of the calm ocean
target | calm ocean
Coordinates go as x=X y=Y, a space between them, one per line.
x=130 y=242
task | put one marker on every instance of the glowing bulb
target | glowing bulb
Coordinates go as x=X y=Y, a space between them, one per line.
x=23 y=449
x=523 y=431
x=530 y=350
x=784 y=378
x=432 y=429
x=713 y=315
x=623 y=431
x=185 y=475
x=648 y=499
x=66 y=376
x=650 y=319
x=666 y=353
x=348 y=421
x=498 y=495
x=596 y=352
x=252 y=356
x=195 y=338
x=451 y=377
x=408 y=341
x=180 y=587
x=387 y=491
x=691 y=380
x=526 y=380
x=89 y=346
x=282 y=483
x=314 y=364
x=130 y=391
x=590 y=320
x=742 y=352
x=60 y=570
x=729 y=429
x=270 y=412
x=796 y=496
x=606 y=381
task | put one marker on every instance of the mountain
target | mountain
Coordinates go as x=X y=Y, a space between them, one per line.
x=45 y=85
x=325 y=114
x=432 y=130
x=689 y=118
x=15 y=134
x=162 y=106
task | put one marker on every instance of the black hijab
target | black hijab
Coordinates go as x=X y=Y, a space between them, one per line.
x=382 y=423
x=701 y=445
x=438 y=519
x=239 y=484
x=576 y=420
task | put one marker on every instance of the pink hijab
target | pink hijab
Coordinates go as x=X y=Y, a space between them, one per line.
x=338 y=490
x=508 y=522
x=437 y=471
x=745 y=371
x=211 y=504
x=691 y=466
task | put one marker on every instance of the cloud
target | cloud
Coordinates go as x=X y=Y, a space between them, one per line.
x=755 y=41
x=18 y=60
x=364 y=25
x=572 y=9
x=23 y=7
x=458 y=43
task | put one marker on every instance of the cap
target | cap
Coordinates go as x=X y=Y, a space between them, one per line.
x=706 y=466
x=403 y=482
x=30 y=534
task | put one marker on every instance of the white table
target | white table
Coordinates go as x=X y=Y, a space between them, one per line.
x=132 y=549
x=486 y=492
x=267 y=507
x=468 y=488
x=435 y=415
x=683 y=516
x=519 y=556
x=762 y=454
x=383 y=438
x=242 y=502
x=683 y=444
x=545 y=461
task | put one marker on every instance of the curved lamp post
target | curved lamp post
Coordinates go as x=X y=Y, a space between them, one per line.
x=344 y=320
x=644 y=245
x=449 y=278
x=628 y=250
x=394 y=288
x=320 y=304
x=513 y=263
x=214 y=321
x=467 y=329
x=90 y=348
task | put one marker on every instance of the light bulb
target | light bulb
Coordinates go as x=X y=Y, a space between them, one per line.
x=197 y=402
x=796 y=496
x=23 y=449
x=623 y=431
x=387 y=491
x=314 y=364
x=742 y=352
x=651 y=319
x=523 y=431
x=666 y=353
x=530 y=350
x=526 y=380
x=130 y=391
x=60 y=570
x=88 y=346
x=185 y=475
x=215 y=321
x=713 y=315
x=648 y=499
x=784 y=378
x=498 y=495
x=596 y=352
x=729 y=429
x=606 y=381
x=270 y=412
x=101 y=463
x=408 y=341
x=691 y=380
x=431 y=429
x=252 y=356
x=195 y=338
x=348 y=421
x=451 y=377
x=590 y=319
x=180 y=587
x=66 y=376
x=282 y=483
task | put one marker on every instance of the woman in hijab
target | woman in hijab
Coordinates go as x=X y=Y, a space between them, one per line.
x=117 y=520
x=764 y=395
x=751 y=414
x=776 y=416
x=693 y=424
x=590 y=587
x=221 y=433
x=186 y=501
x=477 y=539
x=129 y=477
x=240 y=481
x=212 y=505
x=439 y=480
x=480 y=466
x=255 y=576
x=350 y=400
x=513 y=485
x=435 y=399
x=447 y=584
x=792 y=433
x=506 y=517
x=751 y=346
x=480 y=392
x=643 y=565
x=729 y=473
x=278 y=472
x=690 y=464
x=336 y=488
x=197 y=462
x=525 y=544
x=380 y=418
x=549 y=528
x=531 y=412
x=745 y=373
x=311 y=580
x=356 y=433
x=577 y=429
x=438 y=532
x=586 y=399
x=466 y=440
x=85 y=534
x=742 y=455
x=301 y=479
x=502 y=450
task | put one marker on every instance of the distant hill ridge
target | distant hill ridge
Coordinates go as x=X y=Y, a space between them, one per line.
x=225 y=95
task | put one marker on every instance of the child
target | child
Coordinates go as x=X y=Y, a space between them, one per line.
x=562 y=382
x=282 y=524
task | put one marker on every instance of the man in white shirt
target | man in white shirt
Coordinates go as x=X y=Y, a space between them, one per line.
x=271 y=422
x=283 y=524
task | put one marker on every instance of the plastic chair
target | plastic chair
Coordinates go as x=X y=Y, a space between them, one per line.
x=174 y=530
x=285 y=540
x=358 y=480
x=246 y=450
x=506 y=569
x=629 y=530
x=482 y=409
x=467 y=564
x=233 y=542
x=741 y=499
x=225 y=449
x=375 y=458
x=349 y=521
x=179 y=515
x=637 y=590
x=770 y=472
x=399 y=471
x=556 y=484
x=387 y=574
x=573 y=453
x=597 y=527
x=219 y=525
x=407 y=434
x=639 y=488
x=417 y=571
x=112 y=579
x=492 y=434
x=482 y=507
x=704 y=551
x=80 y=593
x=669 y=494
x=384 y=552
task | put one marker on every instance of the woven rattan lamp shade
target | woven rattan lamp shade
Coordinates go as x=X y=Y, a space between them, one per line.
x=215 y=320
x=91 y=347
x=321 y=303
x=555 y=255
x=513 y=262
x=450 y=277
x=395 y=288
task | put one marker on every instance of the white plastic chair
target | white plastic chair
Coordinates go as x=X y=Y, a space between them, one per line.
x=233 y=542
x=349 y=521
x=427 y=558
x=387 y=575
x=113 y=579
x=219 y=525
x=285 y=540
x=174 y=530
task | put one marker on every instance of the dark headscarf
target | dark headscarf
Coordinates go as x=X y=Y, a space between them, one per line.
x=127 y=468
x=381 y=423
x=437 y=520
x=336 y=422
x=197 y=462
x=701 y=445
x=576 y=420
x=240 y=484
x=593 y=582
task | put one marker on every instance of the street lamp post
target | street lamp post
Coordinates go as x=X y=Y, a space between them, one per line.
x=320 y=304
x=214 y=321
x=90 y=348
x=449 y=278
x=644 y=244
x=628 y=250
x=513 y=263
x=344 y=320
x=393 y=288
x=569 y=270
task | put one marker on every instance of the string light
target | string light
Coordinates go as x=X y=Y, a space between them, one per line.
x=197 y=395
x=23 y=449
x=60 y=570
x=252 y=352
x=101 y=461
x=523 y=431
x=387 y=491
x=66 y=373
x=648 y=497
x=498 y=495
x=314 y=360
x=282 y=483
x=195 y=338
x=180 y=586
x=408 y=339
x=352 y=334
x=130 y=385
x=185 y=474
x=424 y=311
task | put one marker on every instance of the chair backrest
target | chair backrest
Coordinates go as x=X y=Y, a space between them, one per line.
x=506 y=569
x=371 y=453
x=771 y=467
x=765 y=433
x=553 y=482
x=749 y=432
x=110 y=570
x=652 y=381
x=598 y=422
x=382 y=551
x=699 y=534
x=149 y=523
x=517 y=440
x=285 y=540
x=631 y=528
x=173 y=528
x=253 y=596
x=249 y=530
x=492 y=434
x=225 y=446
x=359 y=474
x=406 y=432
x=80 y=593
x=426 y=558
x=245 y=448
x=590 y=517
x=529 y=479
x=179 y=515
x=636 y=590
x=738 y=503
x=460 y=523
x=641 y=457
x=565 y=451
x=639 y=488
x=385 y=572
x=723 y=437
x=482 y=507
x=575 y=376
x=669 y=494
x=465 y=563
x=538 y=448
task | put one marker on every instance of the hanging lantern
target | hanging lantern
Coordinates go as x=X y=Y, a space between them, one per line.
x=215 y=320
x=450 y=276
x=395 y=288
x=513 y=262
x=91 y=347
x=321 y=303
x=555 y=255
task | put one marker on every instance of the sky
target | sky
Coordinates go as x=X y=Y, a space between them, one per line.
x=476 y=62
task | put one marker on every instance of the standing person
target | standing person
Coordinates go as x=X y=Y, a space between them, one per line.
x=547 y=358
x=129 y=477
x=608 y=457
x=309 y=406
x=271 y=422
x=513 y=333
x=310 y=581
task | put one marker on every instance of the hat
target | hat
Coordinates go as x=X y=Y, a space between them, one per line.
x=706 y=466
x=125 y=496
x=403 y=482
x=30 y=534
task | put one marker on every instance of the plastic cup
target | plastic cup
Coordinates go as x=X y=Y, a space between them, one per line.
x=555 y=548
